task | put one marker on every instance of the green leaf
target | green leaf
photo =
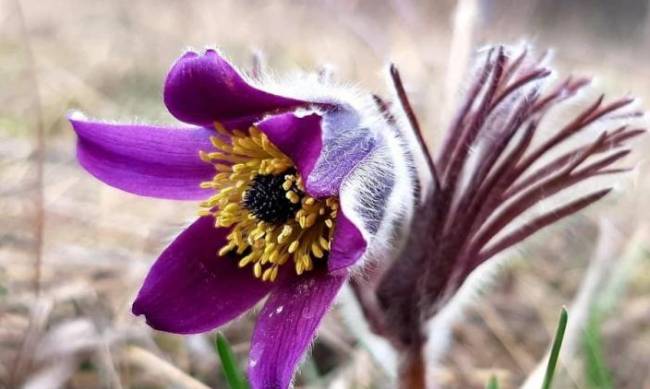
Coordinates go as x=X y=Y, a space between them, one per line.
x=234 y=377
x=492 y=383
x=555 y=350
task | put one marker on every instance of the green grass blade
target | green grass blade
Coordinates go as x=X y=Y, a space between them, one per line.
x=492 y=383
x=234 y=376
x=596 y=371
x=555 y=350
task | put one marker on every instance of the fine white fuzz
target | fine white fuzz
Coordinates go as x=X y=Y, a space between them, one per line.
x=378 y=194
x=378 y=197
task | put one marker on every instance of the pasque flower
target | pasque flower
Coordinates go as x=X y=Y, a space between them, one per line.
x=503 y=154
x=301 y=181
x=297 y=183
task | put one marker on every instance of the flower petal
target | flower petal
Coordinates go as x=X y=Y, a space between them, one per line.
x=348 y=245
x=299 y=138
x=287 y=325
x=202 y=89
x=145 y=160
x=346 y=142
x=190 y=289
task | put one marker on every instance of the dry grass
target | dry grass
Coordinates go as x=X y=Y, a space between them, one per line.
x=108 y=59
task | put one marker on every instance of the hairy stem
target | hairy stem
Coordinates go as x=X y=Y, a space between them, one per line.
x=412 y=369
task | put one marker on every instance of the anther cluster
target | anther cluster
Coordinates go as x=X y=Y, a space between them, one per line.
x=261 y=198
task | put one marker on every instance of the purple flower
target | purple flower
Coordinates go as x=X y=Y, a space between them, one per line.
x=294 y=190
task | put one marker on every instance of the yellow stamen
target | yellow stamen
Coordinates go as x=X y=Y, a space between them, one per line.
x=257 y=269
x=293 y=197
x=304 y=238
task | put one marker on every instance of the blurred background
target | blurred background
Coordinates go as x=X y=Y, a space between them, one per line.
x=73 y=252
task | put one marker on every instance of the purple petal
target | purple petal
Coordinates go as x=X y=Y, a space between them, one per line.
x=348 y=245
x=346 y=142
x=287 y=325
x=191 y=289
x=299 y=138
x=145 y=160
x=202 y=89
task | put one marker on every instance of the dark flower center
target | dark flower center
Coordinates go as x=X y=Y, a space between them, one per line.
x=267 y=200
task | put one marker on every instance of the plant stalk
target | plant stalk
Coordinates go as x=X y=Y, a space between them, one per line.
x=412 y=369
